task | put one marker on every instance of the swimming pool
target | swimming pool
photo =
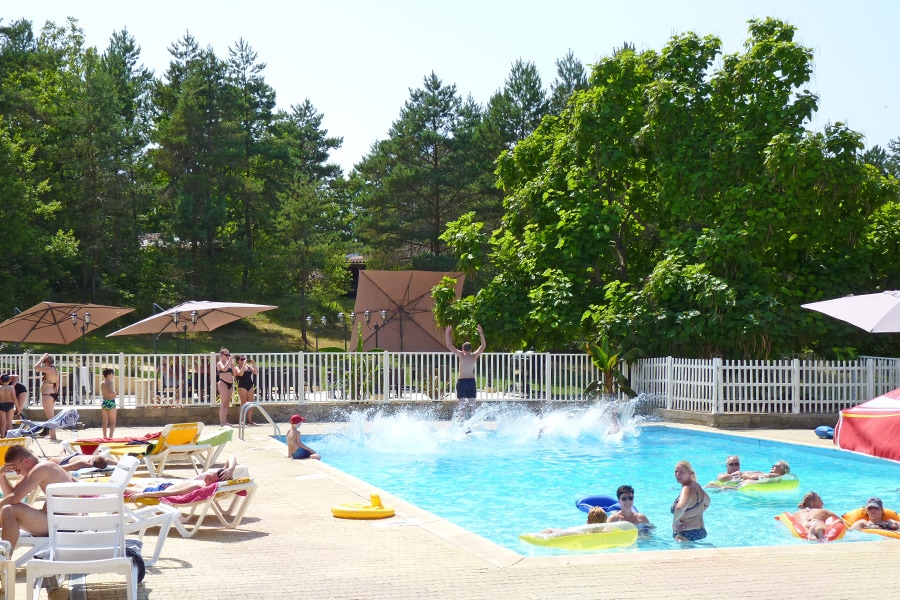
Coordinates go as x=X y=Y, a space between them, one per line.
x=524 y=473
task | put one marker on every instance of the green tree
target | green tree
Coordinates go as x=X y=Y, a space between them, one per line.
x=570 y=78
x=416 y=181
x=680 y=206
x=200 y=147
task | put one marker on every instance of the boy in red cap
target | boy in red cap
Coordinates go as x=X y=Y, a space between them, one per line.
x=296 y=447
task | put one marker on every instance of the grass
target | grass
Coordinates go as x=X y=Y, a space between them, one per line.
x=257 y=333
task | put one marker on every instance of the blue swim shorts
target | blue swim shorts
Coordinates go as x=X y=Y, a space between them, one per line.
x=301 y=453
x=465 y=389
x=158 y=488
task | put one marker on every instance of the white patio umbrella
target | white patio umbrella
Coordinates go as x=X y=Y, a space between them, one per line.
x=875 y=313
x=193 y=316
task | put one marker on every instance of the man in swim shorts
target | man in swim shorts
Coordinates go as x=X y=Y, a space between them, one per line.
x=465 y=379
x=296 y=447
x=164 y=489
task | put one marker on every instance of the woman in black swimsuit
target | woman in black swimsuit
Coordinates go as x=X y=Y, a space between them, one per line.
x=246 y=388
x=49 y=387
x=225 y=371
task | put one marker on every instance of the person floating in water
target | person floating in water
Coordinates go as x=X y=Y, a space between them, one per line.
x=465 y=379
x=779 y=469
x=814 y=517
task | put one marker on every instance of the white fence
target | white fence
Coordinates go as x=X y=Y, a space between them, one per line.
x=189 y=379
x=763 y=387
x=707 y=386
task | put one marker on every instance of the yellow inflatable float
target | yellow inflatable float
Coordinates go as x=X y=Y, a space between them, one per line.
x=860 y=513
x=597 y=536
x=374 y=510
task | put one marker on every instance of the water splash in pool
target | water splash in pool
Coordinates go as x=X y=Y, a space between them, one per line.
x=418 y=432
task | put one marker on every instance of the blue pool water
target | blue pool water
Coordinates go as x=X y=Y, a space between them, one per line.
x=516 y=472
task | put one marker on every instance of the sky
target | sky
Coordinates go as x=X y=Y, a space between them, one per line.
x=356 y=61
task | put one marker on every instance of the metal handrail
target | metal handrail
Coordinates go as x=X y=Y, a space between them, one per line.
x=245 y=408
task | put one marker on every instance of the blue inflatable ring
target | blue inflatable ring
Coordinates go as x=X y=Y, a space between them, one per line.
x=825 y=432
x=607 y=503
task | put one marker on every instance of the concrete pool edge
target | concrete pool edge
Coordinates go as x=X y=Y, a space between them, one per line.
x=500 y=557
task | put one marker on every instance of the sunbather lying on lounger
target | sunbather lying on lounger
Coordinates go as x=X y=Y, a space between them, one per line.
x=170 y=488
x=74 y=462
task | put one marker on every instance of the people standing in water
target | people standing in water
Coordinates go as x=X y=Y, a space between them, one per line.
x=246 y=386
x=625 y=496
x=49 y=388
x=225 y=372
x=688 y=508
x=813 y=516
x=21 y=394
x=108 y=405
x=7 y=404
x=465 y=379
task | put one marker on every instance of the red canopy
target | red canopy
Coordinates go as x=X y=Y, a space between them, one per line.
x=872 y=428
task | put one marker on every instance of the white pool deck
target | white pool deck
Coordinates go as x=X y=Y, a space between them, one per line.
x=290 y=546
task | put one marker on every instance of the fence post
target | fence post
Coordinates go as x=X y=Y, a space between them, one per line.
x=548 y=376
x=870 y=379
x=795 y=386
x=670 y=376
x=301 y=377
x=718 y=404
x=385 y=376
x=120 y=386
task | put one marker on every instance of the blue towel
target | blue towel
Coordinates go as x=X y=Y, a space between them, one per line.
x=67 y=417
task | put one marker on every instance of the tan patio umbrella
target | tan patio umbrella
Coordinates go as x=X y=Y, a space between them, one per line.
x=53 y=322
x=405 y=298
x=193 y=316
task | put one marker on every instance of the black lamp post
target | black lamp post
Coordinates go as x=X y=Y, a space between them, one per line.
x=184 y=328
x=343 y=323
x=85 y=323
x=309 y=323
x=377 y=326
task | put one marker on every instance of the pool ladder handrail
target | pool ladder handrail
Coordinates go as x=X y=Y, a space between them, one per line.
x=245 y=408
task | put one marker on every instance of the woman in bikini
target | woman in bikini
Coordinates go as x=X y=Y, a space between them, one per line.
x=813 y=516
x=49 y=387
x=225 y=372
x=246 y=388
x=688 y=508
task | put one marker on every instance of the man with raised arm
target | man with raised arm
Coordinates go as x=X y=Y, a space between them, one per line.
x=465 y=379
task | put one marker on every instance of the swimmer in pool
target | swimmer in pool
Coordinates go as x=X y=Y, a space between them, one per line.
x=813 y=516
x=625 y=495
x=875 y=517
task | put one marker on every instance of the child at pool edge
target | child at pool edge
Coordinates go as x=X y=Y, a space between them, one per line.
x=296 y=447
x=108 y=405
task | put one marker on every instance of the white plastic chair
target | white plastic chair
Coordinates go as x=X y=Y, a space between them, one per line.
x=87 y=535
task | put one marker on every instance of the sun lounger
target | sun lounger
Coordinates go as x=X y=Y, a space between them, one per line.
x=177 y=443
x=228 y=500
